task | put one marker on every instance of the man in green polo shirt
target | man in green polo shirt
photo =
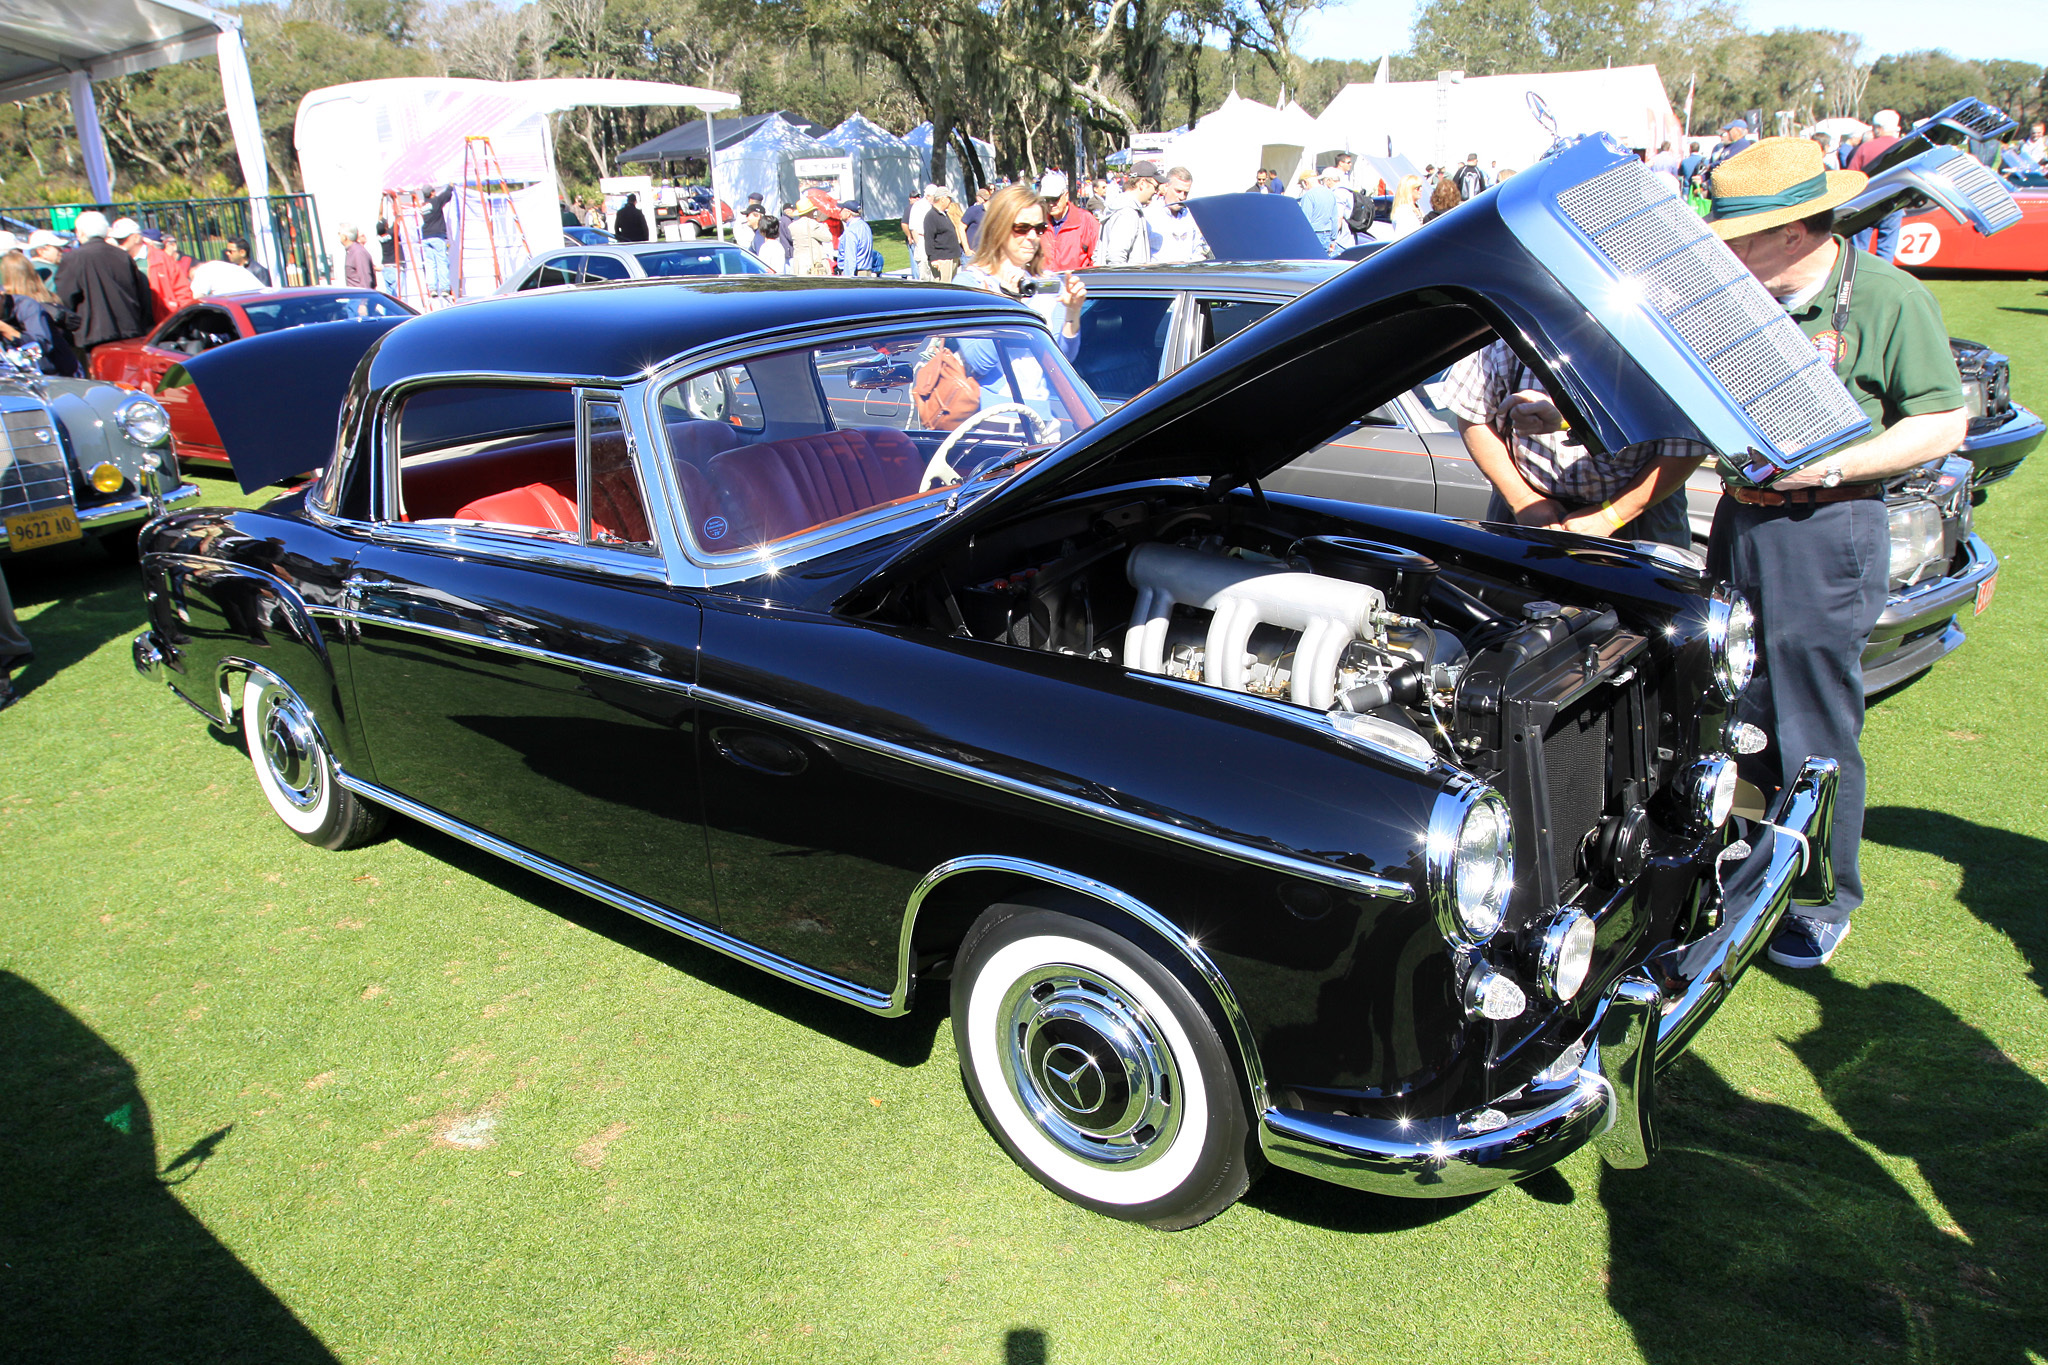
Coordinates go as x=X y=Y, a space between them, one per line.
x=1812 y=550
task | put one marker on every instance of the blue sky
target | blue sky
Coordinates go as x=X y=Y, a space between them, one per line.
x=1359 y=29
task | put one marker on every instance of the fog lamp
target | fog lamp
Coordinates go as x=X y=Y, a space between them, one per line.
x=1564 y=955
x=1745 y=738
x=1494 y=995
x=1564 y=1066
x=143 y=421
x=1712 y=783
x=107 y=477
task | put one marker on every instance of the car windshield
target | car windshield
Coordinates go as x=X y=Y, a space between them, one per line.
x=693 y=261
x=278 y=314
x=784 y=444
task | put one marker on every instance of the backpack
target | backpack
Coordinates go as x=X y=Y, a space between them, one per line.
x=1470 y=180
x=1364 y=213
x=945 y=393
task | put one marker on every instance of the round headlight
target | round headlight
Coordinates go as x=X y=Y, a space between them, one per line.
x=1565 y=954
x=1731 y=640
x=107 y=477
x=1472 y=863
x=143 y=421
x=1713 y=790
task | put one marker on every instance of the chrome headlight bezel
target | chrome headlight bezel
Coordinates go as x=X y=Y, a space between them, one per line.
x=1710 y=794
x=1731 y=640
x=143 y=421
x=1470 y=860
x=1564 y=954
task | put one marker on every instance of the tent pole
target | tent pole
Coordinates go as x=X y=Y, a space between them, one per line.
x=85 y=116
x=711 y=175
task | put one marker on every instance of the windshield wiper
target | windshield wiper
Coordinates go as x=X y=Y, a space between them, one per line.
x=1010 y=461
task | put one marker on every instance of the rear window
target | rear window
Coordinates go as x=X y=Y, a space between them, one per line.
x=279 y=314
x=694 y=262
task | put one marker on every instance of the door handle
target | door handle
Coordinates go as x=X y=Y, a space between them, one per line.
x=759 y=752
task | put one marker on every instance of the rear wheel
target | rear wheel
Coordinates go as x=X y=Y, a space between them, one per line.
x=295 y=771
x=1097 y=1070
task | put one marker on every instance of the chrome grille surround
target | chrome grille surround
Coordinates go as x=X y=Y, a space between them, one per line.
x=1973 y=180
x=1716 y=310
x=34 y=473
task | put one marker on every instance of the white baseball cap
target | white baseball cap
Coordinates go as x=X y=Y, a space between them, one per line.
x=43 y=237
x=1053 y=185
x=122 y=229
x=8 y=242
x=1332 y=173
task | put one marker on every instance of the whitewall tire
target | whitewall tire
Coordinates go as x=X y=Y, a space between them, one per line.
x=1097 y=1071
x=296 y=773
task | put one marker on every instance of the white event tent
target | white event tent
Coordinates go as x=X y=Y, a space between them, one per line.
x=1225 y=149
x=51 y=45
x=358 y=141
x=920 y=140
x=1443 y=120
x=887 y=171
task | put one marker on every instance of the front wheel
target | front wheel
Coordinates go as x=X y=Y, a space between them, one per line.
x=295 y=771
x=1097 y=1070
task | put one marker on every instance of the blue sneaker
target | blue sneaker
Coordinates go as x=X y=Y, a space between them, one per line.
x=1804 y=942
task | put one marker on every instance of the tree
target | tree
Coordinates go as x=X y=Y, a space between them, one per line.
x=2015 y=87
x=1918 y=83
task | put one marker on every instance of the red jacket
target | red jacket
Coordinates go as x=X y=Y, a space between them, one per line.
x=170 y=282
x=1071 y=245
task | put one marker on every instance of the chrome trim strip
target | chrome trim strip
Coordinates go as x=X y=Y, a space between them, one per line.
x=467 y=538
x=1365 y=882
x=1189 y=947
x=682 y=925
x=534 y=652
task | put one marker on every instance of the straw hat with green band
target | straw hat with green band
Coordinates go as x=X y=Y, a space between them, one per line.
x=1778 y=181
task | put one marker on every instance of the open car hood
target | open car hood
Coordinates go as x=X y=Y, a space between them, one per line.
x=1946 y=177
x=1256 y=227
x=1642 y=323
x=276 y=399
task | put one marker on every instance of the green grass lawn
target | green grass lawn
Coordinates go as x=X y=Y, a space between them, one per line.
x=265 y=1103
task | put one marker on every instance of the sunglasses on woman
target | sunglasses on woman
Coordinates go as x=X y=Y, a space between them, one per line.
x=1019 y=229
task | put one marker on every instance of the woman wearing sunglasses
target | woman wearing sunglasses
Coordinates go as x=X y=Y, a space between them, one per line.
x=1009 y=259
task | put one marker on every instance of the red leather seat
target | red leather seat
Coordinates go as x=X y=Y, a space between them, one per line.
x=779 y=488
x=439 y=488
x=539 y=505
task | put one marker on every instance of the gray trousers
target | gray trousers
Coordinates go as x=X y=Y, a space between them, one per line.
x=1664 y=523
x=15 y=649
x=1817 y=578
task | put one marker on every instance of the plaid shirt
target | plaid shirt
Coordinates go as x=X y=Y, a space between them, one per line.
x=1478 y=387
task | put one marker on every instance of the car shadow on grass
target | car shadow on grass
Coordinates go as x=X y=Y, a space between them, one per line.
x=1760 y=1233
x=101 y=1260
x=86 y=598
x=904 y=1042
x=1320 y=1204
x=2003 y=872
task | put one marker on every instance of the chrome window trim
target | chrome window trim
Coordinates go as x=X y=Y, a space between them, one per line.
x=741 y=565
x=511 y=547
x=1187 y=945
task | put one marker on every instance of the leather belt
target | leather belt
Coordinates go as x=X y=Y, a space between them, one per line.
x=1803 y=497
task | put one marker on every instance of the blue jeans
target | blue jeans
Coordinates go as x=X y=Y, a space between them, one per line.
x=1883 y=240
x=437 y=264
x=387 y=276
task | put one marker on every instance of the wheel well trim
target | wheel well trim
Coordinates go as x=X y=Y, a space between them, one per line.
x=1187 y=946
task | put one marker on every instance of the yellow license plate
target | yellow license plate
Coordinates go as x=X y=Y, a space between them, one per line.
x=33 y=530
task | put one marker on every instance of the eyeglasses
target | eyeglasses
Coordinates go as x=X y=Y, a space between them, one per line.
x=1019 y=229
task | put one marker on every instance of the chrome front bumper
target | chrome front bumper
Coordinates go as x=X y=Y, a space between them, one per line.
x=130 y=511
x=1610 y=1100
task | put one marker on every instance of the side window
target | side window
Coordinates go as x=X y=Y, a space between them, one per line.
x=597 y=269
x=1223 y=319
x=616 y=508
x=1123 y=344
x=498 y=455
x=555 y=270
x=198 y=331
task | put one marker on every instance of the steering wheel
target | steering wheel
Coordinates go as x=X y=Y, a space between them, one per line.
x=940 y=472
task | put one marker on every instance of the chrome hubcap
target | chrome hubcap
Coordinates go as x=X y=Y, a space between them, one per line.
x=1090 y=1067
x=291 y=751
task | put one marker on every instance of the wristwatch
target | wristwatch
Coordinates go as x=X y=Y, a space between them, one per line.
x=1831 y=472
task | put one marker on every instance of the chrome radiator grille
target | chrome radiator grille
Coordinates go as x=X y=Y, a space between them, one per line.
x=1985 y=191
x=1749 y=345
x=33 y=471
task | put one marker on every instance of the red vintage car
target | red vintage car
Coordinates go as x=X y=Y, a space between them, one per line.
x=218 y=321
x=1935 y=241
